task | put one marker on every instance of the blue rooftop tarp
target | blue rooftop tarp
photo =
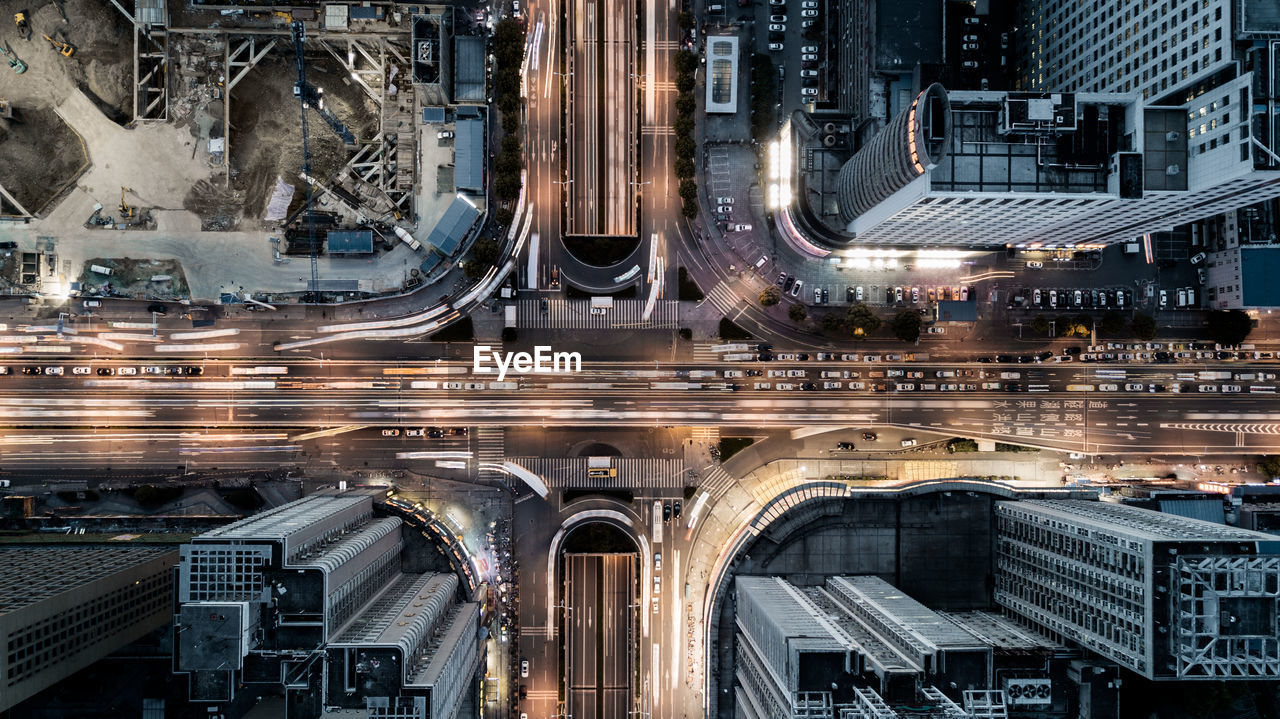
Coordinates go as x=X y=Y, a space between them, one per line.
x=433 y=260
x=1259 y=268
x=453 y=226
x=433 y=115
x=952 y=311
x=350 y=242
x=468 y=155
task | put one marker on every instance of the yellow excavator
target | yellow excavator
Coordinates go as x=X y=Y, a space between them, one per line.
x=64 y=48
x=126 y=212
x=24 y=27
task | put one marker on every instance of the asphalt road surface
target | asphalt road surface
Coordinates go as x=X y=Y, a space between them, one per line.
x=354 y=395
x=600 y=604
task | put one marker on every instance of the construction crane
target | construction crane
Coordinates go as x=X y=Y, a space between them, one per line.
x=24 y=27
x=126 y=212
x=15 y=64
x=64 y=48
x=299 y=38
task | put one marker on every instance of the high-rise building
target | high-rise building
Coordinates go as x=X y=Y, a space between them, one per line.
x=984 y=169
x=311 y=596
x=64 y=608
x=1151 y=48
x=1167 y=597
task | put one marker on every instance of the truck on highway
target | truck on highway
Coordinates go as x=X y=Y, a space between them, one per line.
x=739 y=357
x=1080 y=388
x=1213 y=375
x=675 y=385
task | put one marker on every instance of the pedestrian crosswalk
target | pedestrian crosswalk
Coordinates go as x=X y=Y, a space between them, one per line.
x=576 y=314
x=632 y=473
x=706 y=435
x=723 y=298
x=490 y=450
x=715 y=482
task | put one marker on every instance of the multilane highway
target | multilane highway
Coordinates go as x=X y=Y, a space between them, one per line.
x=337 y=394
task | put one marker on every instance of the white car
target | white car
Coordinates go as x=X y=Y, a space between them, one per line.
x=444 y=135
x=1230 y=388
x=857 y=293
x=1197 y=258
x=127 y=370
x=80 y=370
x=808 y=73
x=1134 y=387
x=726 y=209
x=832 y=385
x=809 y=48
x=760 y=385
x=657 y=560
x=908 y=443
x=937 y=330
x=724 y=200
x=809 y=5
x=806 y=24
x=1208 y=388
x=777 y=18
x=776 y=47
x=419 y=432
x=741 y=228
x=1108 y=388
x=809 y=57
x=969 y=46
x=809 y=91
x=1034 y=265
x=808 y=13
x=784 y=386
x=524 y=668
x=390 y=433
x=775 y=27
x=795 y=373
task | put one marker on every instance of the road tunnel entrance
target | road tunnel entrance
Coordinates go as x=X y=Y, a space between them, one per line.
x=600 y=571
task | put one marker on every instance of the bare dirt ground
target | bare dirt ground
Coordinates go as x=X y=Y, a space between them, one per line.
x=39 y=155
x=132 y=278
x=265 y=137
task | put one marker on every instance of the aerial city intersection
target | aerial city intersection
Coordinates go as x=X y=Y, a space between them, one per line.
x=568 y=359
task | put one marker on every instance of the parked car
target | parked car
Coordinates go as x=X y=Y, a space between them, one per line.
x=776 y=47
x=795 y=290
x=1197 y=258
x=809 y=57
x=725 y=209
x=808 y=13
x=809 y=91
x=724 y=200
x=777 y=28
x=445 y=135
x=742 y=228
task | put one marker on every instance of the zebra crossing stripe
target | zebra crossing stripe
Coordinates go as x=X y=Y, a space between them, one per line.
x=640 y=473
x=576 y=314
x=723 y=298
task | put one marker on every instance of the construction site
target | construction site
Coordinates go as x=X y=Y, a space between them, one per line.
x=317 y=153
